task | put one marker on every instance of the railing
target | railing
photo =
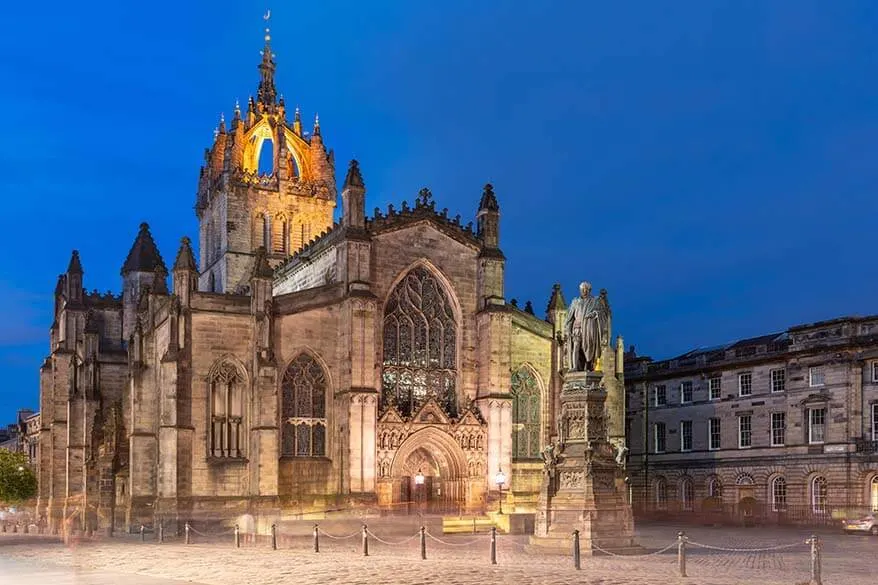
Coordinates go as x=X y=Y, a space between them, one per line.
x=866 y=446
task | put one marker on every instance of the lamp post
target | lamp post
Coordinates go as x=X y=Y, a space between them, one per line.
x=500 y=479
x=419 y=487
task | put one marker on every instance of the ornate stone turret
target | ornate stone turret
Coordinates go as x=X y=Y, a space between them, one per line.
x=142 y=271
x=185 y=272
x=73 y=290
x=491 y=260
x=488 y=218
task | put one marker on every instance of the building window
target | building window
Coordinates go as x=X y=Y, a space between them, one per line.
x=687 y=493
x=715 y=387
x=819 y=494
x=778 y=429
x=659 y=395
x=875 y=371
x=778 y=380
x=745 y=384
x=745 y=431
x=714 y=488
x=816 y=376
x=303 y=410
x=226 y=387
x=686 y=435
x=778 y=494
x=816 y=425
x=686 y=392
x=661 y=493
x=714 y=434
x=659 y=439
x=420 y=346
x=525 y=415
x=875 y=422
x=873 y=494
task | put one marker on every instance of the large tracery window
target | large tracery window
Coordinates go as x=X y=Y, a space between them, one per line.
x=420 y=341
x=303 y=413
x=226 y=384
x=525 y=415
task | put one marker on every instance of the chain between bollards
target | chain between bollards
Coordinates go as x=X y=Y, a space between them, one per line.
x=365 y=540
x=316 y=538
x=816 y=578
x=274 y=537
x=576 y=557
x=681 y=552
x=493 y=545
x=186 y=529
x=423 y=535
x=237 y=537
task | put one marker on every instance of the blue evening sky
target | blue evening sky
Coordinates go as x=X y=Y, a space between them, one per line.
x=712 y=164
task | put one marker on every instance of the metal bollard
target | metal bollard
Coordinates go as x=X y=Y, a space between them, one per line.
x=576 y=557
x=142 y=533
x=274 y=537
x=493 y=545
x=161 y=531
x=423 y=543
x=365 y=541
x=237 y=537
x=816 y=578
x=187 y=532
x=26 y=528
x=681 y=552
x=316 y=539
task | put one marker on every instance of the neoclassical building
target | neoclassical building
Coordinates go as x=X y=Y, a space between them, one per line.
x=780 y=427
x=297 y=363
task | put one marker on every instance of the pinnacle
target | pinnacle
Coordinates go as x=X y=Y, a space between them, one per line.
x=556 y=301
x=75 y=266
x=354 y=178
x=261 y=267
x=489 y=200
x=144 y=256
x=185 y=258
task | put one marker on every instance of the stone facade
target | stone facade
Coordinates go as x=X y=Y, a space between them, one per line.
x=283 y=374
x=778 y=427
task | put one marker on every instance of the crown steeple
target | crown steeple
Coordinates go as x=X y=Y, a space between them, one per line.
x=267 y=93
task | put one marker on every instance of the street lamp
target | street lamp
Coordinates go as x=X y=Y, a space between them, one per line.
x=500 y=479
x=419 y=486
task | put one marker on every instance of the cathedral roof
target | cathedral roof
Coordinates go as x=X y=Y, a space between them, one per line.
x=144 y=255
x=185 y=258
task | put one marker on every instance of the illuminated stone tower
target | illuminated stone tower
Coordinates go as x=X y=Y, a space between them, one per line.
x=264 y=182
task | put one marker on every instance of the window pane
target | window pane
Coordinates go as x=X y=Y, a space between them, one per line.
x=303 y=440
x=319 y=440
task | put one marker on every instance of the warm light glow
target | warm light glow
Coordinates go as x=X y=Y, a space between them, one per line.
x=500 y=479
x=419 y=478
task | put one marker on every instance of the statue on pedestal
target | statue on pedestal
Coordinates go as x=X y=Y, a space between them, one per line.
x=586 y=329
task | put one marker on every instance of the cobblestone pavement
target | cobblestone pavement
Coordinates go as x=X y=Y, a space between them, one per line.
x=464 y=559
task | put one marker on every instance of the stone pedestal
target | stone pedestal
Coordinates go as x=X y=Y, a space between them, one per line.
x=584 y=487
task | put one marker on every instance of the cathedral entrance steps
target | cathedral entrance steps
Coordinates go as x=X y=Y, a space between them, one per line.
x=467 y=524
x=396 y=526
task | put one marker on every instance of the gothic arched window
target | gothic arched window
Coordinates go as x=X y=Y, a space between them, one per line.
x=525 y=415
x=420 y=345
x=303 y=410
x=226 y=387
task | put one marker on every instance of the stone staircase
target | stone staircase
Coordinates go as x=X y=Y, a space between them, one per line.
x=467 y=524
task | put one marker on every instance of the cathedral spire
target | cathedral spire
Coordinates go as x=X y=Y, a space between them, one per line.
x=267 y=93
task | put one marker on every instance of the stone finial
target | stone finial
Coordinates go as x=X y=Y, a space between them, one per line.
x=424 y=197
x=185 y=257
x=354 y=178
x=529 y=308
x=75 y=266
x=261 y=267
x=489 y=200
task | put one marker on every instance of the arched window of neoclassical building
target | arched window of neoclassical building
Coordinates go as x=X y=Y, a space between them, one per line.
x=226 y=385
x=660 y=488
x=687 y=494
x=303 y=409
x=873 y=494
x=525 y=415
x=714 y=488
x=420 y=345
x=778 y=494
x=819 y=494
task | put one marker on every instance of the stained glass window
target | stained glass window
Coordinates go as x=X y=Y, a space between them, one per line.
x=227 y=411
x=525 y=415
x=303 y=410
x=420 y=345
